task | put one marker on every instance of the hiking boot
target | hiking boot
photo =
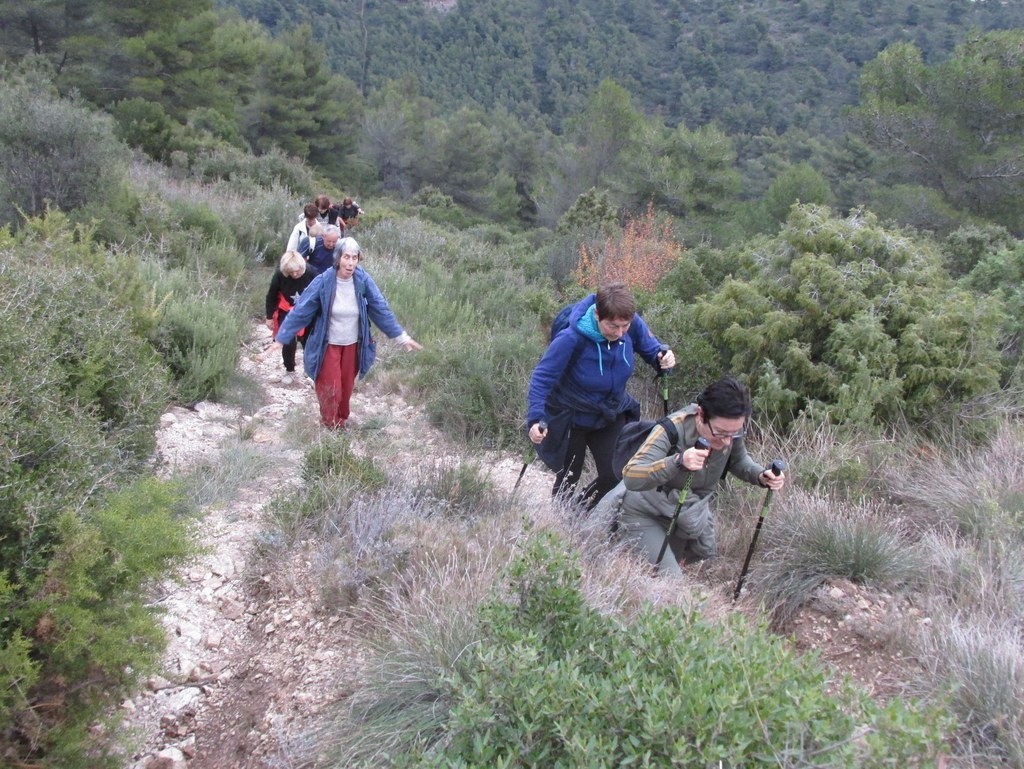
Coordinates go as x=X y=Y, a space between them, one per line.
x=288 y=378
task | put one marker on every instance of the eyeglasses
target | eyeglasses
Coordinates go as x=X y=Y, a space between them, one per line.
x=730 y=436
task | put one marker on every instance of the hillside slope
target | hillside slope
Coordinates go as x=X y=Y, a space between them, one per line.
x=254 y=658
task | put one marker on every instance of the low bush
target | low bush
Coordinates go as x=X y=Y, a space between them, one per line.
x=810 y=540
x=272 y=168
x=458 y=489
x=199 y=339
x=333 y=457
x=842 y=317
x=544 y=680
x=474 y=387
x=80 y=393
x=53 y=153
x=333 y=478
x=82 y=630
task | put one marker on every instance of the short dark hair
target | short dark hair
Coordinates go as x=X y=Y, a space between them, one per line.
x=728 y=397
x=615 y=301
x=311 y=211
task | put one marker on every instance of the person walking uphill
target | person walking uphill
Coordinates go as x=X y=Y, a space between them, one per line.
x=578 y=388
x=324 y=250
x=648 y=497
x=343 y=300
x=286 y=286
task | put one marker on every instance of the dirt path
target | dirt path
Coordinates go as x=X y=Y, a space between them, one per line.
x=251 y=659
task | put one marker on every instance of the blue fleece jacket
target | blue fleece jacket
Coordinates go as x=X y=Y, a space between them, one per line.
x=594 y=387
x=322 y=257
x=315 y=304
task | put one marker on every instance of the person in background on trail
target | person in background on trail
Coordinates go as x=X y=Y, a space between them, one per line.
x=307 y=222
x=323 y=250
x=646 y=500
x=327 y=213
x=579 y=388
x=340 y=303
x=286 y=286
x=349 y=211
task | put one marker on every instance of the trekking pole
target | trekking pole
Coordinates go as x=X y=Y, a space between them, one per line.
x=777 y=467
x=529 y=457
x=663 y=376
x=700 y=443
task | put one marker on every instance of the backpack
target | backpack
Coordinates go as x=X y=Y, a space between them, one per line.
x=561 y=321
x=632 y=438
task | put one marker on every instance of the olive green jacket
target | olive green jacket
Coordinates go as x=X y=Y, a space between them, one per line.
x=653 y=478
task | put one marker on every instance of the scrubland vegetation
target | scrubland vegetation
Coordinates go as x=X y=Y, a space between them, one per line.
x=864 y=279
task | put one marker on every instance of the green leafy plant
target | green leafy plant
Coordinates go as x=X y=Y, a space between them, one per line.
x=840 y=316
x=199 y=341
x=550 y=682
x=83 y=629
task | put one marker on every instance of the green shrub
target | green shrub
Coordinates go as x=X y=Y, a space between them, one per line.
x=199 y=340
x=333 y=456
x=18 y=671
x=474 y=386
x=198 y=216
x=53 y=152
x=842 y=317
x=87 y=406
x=333 y=478
x=89 y=623
x=272 y=168
x=145 y=124
x=552 y=682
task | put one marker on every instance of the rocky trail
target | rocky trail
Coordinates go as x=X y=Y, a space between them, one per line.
x=252 y=658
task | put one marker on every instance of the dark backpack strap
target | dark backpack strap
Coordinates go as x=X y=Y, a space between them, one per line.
x=673 y=434
x=673 y=438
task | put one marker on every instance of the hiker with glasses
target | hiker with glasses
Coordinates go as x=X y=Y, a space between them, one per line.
x=647 y=498
x=577 y=398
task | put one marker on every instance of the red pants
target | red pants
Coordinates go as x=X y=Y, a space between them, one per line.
x=335 y=382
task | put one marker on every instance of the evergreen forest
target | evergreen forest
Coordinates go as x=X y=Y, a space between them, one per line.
x=825 y=198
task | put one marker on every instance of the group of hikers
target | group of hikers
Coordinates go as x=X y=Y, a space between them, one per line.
x=322 y=297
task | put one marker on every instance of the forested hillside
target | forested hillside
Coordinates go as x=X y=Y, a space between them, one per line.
x=720 y=114
x=749 y=66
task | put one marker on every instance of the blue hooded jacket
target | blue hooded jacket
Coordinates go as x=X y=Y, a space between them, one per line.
x=315 y=304
x=591 y=392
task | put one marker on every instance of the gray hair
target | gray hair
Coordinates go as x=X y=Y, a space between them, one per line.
x=332 y=229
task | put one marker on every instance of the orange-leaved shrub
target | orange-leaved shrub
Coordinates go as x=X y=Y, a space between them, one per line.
x=638 y=256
